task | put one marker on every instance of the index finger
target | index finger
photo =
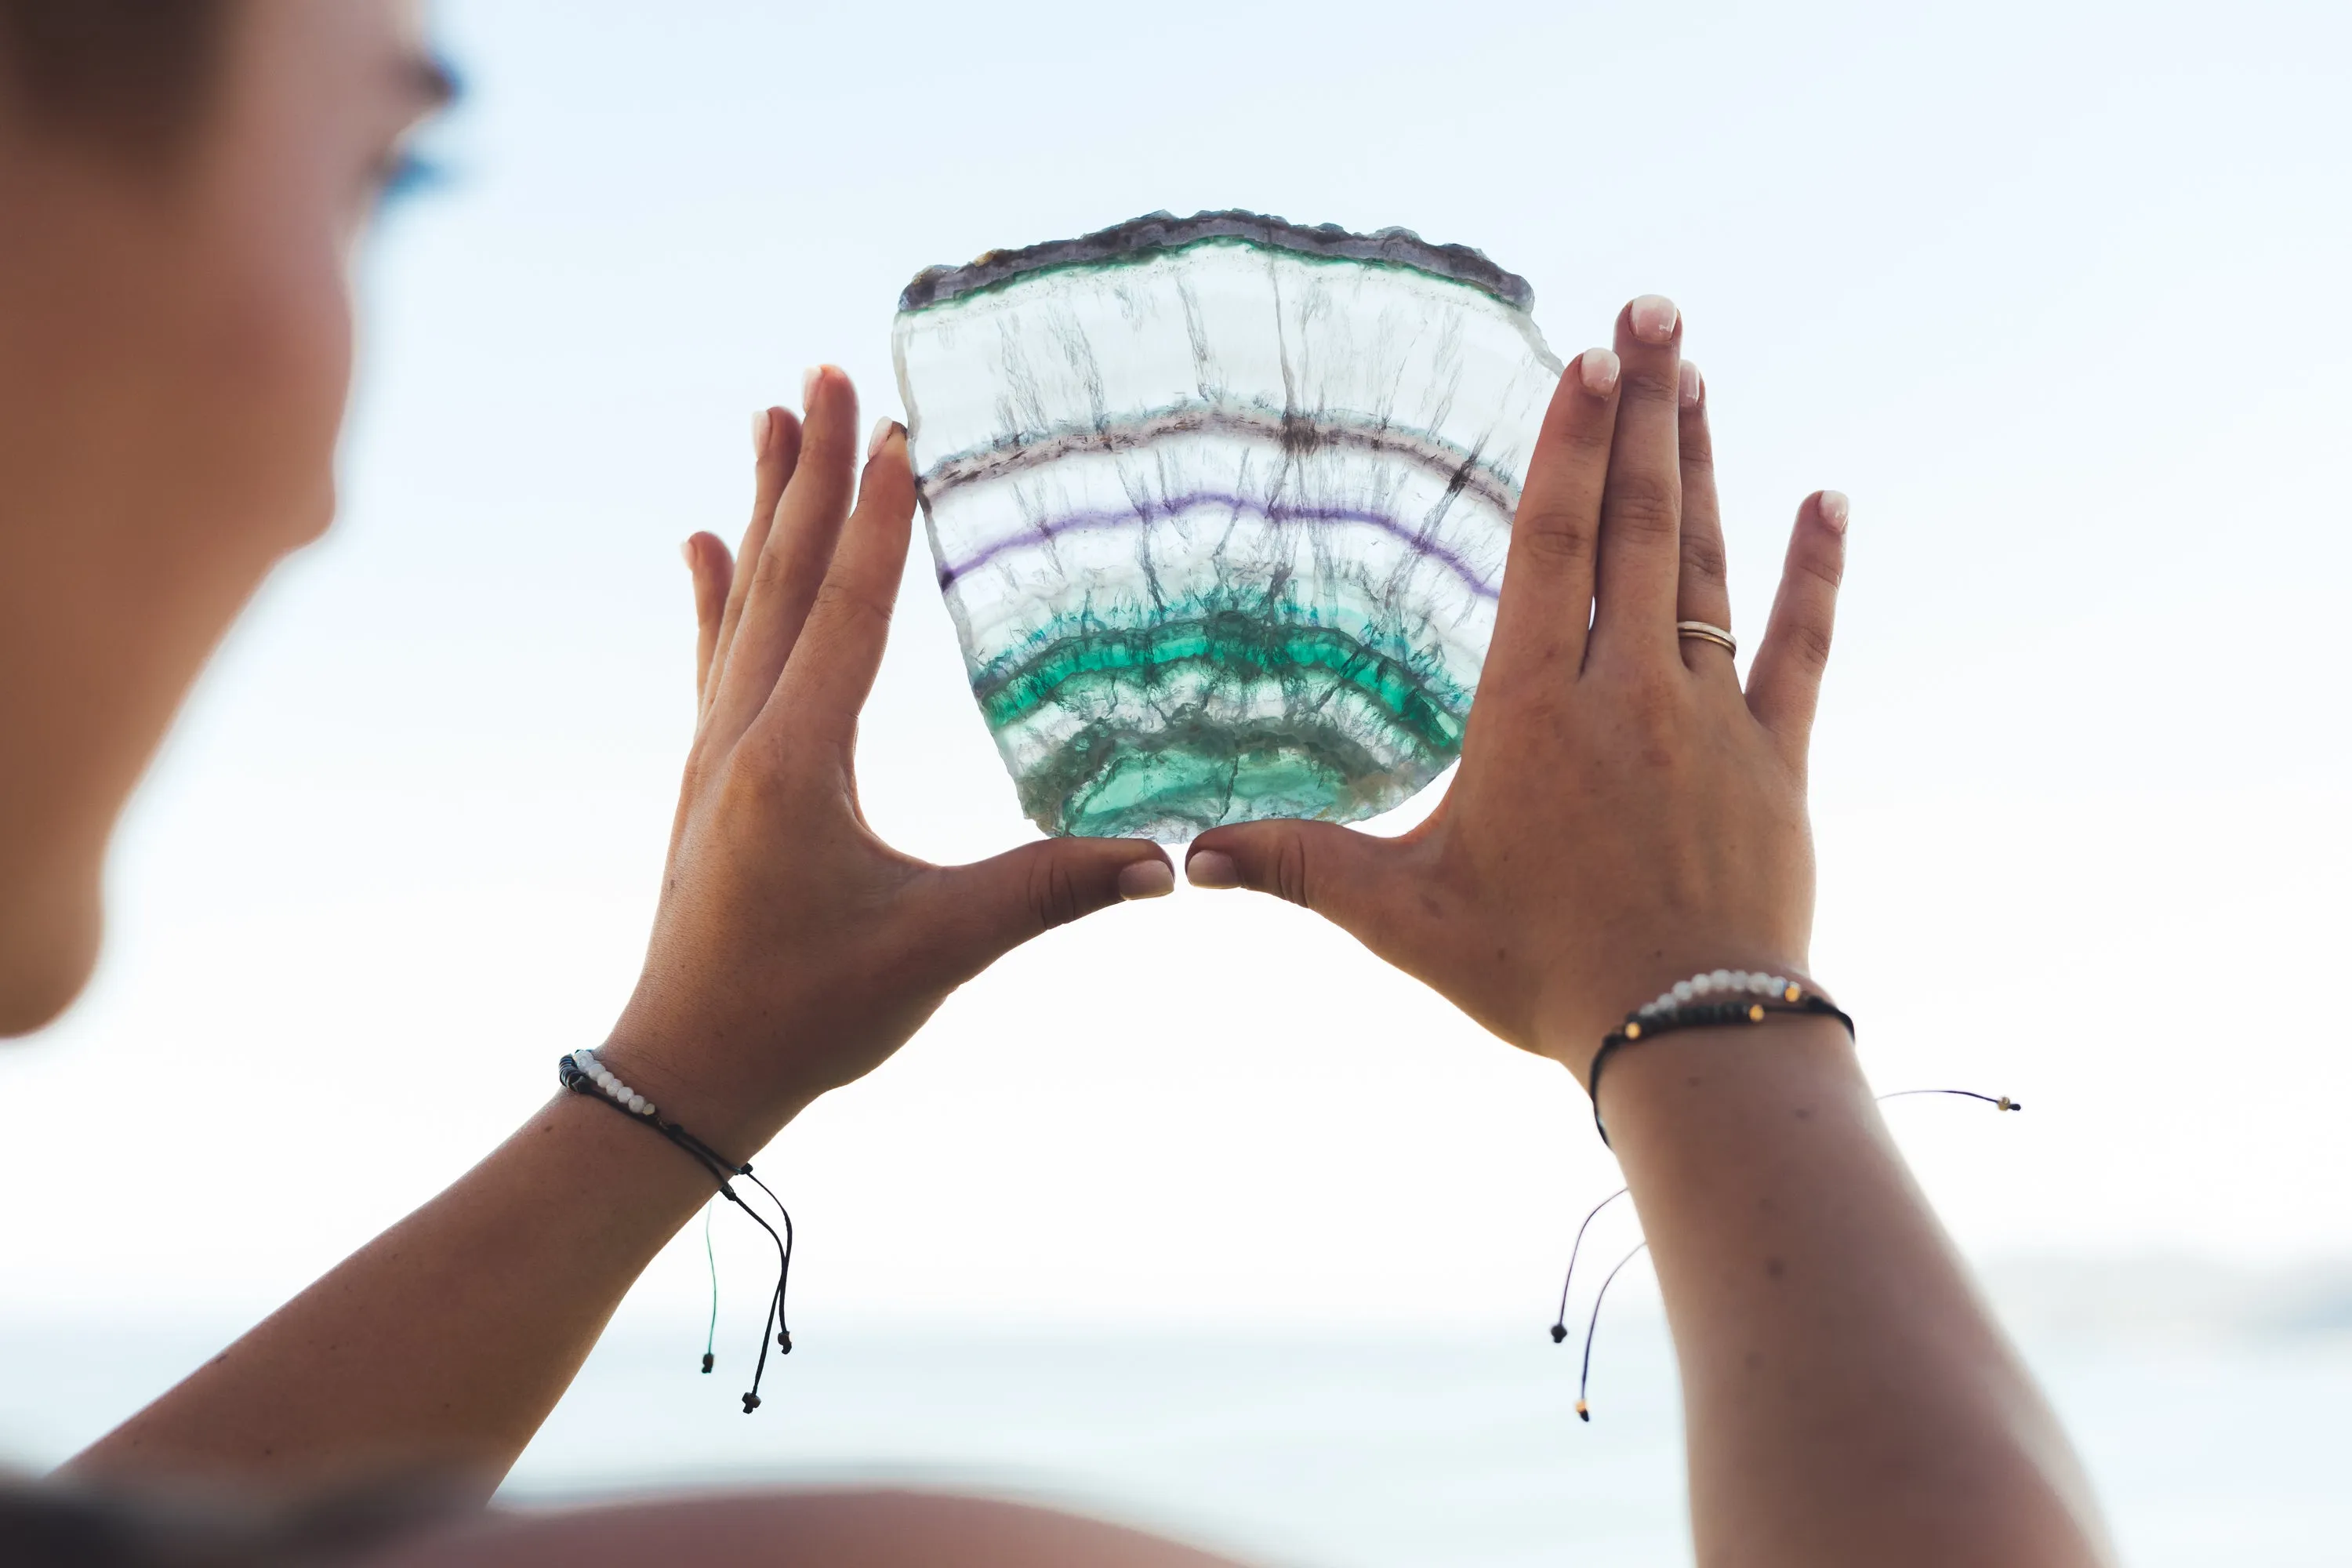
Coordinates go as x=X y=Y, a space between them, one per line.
x=1547 y=600
x=825 y=683
x=785 y=576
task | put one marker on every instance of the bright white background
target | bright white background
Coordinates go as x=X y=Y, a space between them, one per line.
x=2055 y=291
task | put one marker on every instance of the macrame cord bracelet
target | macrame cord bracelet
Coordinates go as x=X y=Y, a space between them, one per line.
x=582 y=1074
x=1707 y=1001
x=1721 y=996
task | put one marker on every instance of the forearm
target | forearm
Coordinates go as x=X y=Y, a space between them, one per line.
x=1848 y=1397
x=442 y=1344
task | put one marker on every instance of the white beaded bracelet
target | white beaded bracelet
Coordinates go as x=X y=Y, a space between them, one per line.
x=619 y=1094
x=1721 y=983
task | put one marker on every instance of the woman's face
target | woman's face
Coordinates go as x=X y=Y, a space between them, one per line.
x=175 y=351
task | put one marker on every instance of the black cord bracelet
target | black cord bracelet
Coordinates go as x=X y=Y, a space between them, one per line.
x=578 y=1080
x=582 y=1074
x=1753 y=999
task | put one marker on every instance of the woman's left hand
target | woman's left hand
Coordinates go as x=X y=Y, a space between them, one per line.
x=794 y=949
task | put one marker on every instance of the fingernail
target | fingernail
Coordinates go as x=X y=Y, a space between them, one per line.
x=760 y=423
x=1833 y=510
x=881 y=437
x=1654 y=318
x=1600 y=371
x=1146 y=879
x=808 y=384
x=1689 y=384
x=686 y=548
x=1211 y=869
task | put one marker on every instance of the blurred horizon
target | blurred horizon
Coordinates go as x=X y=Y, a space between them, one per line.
x=1326 y=1444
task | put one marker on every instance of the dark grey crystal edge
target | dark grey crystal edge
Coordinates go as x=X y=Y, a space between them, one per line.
x=1165 y=231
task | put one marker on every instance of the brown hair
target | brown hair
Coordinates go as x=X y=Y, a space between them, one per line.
x=131 y=76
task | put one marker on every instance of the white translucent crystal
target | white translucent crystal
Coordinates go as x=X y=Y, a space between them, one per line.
x=1220 y=507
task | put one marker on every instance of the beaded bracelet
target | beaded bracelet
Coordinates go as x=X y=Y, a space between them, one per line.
x=1705 y=1001
x=582 y=1073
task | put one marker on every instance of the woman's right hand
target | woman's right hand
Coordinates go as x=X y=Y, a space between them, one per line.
x=1625 y=815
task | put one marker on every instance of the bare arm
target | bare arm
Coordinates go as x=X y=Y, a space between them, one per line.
x=1627 y=815
x=1847 y=1396
x=792 y=953
x=442 y=1344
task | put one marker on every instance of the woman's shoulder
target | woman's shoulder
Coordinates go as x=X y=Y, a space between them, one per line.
x=68 y=1524
x=798 y=1529
x=46 y=1525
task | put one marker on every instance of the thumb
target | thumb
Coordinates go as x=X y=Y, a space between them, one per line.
x=996 y=905
x=1333 y=871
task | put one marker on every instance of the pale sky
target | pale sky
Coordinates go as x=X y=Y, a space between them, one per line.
x=2055 y=291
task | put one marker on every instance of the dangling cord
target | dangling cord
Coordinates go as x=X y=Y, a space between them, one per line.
x=710 y=1340
x=783 y=1273
x=775 y=1313
x=751 y=1396
x=1559 y=1324
x=582 y=1073
x=1583 y=1411
x=1999 y=1103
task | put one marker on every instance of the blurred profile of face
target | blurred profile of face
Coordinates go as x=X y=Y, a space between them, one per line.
x=176 y=347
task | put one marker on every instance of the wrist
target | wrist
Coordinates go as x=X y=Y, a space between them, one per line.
x=736 y=1123
x=1792 y=1075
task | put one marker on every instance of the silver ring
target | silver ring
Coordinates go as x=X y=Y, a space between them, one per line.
x=1705 y=633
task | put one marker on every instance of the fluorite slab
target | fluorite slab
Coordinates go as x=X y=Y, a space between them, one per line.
x=1220 y=507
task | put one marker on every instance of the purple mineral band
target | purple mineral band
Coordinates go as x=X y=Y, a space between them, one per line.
x=1094 y=522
